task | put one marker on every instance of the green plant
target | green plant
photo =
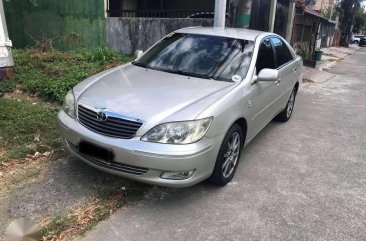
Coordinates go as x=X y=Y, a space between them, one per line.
x=305 y=54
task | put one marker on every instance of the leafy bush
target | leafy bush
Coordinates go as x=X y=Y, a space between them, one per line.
x=305 y=54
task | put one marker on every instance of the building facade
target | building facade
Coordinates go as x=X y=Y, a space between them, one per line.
x=128 y=25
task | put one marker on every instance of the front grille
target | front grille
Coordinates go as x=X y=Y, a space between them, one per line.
x=113 y=126
x=113 y=165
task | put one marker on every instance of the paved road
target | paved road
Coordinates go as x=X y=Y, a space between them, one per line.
x=303 y=180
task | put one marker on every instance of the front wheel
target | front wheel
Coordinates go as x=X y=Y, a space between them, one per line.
x=228 y=157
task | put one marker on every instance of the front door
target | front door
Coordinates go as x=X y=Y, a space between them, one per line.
x=263 y=93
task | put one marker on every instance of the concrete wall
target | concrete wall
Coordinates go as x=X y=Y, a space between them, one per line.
x=46 y=19
x=129 y=34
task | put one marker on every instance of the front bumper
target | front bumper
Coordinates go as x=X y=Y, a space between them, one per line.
x=144 y=161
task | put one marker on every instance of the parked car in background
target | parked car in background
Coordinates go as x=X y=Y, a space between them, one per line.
x=182 y=111
x=356 y=38
x=362 y=42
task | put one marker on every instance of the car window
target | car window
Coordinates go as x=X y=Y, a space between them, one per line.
x=202 y=56
x=283 y=54
x=265 y=57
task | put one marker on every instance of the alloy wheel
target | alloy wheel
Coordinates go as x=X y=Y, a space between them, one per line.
x=290 y=105
x=231 y=155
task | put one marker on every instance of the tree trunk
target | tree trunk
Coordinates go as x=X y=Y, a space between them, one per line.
x=349 y=10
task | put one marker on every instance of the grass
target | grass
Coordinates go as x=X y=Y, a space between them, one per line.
x=51 y=74
x=26 y=128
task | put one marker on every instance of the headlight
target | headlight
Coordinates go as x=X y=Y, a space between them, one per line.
x=184 y=132
x=69 y=104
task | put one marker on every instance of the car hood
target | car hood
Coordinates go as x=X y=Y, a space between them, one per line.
x=146 y=94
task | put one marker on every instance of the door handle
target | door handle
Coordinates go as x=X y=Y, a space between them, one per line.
x=277 y=82
x=294 y=69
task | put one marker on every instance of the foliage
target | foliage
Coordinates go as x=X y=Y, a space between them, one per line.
x=51 y=74
x=305 y=54
x=348 y=9
x=26 y=128
x=326 y=12
x=360 y=21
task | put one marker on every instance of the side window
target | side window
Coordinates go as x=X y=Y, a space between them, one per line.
x=265 y=59
x=283 y=54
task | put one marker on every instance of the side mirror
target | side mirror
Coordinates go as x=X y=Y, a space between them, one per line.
x=268 y=75
x=138 y=54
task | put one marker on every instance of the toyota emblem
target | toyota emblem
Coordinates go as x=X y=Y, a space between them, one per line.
x=101 y=116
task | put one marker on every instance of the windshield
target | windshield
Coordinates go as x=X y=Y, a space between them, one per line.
x=203 y=56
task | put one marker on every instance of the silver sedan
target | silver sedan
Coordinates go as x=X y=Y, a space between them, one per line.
x=183 y=110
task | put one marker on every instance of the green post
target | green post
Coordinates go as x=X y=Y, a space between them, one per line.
x=242 y=18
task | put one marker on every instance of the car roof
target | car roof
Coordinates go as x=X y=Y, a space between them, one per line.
x=238 y=33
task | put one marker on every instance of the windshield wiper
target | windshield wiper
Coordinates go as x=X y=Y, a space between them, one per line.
x=181 y=72
x=202 y=76
x=139 y=64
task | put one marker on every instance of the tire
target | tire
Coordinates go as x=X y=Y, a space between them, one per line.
x=228 y=157
x=286 y=113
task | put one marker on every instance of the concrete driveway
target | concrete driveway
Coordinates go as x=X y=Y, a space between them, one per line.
x=302 y=180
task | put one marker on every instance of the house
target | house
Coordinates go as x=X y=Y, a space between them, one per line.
x=311 y=29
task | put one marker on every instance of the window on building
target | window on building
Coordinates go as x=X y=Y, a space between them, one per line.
x=283 y=54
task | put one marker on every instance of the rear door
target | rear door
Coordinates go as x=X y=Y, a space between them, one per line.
x=287 y=68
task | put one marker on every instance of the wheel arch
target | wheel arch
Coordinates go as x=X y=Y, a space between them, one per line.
x=296 y=87
x=242 y=122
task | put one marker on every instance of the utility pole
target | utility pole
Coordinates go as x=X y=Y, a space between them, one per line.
x=290 y=19
x=220 y=13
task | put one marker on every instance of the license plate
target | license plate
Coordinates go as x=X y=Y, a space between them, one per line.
x=96 y=152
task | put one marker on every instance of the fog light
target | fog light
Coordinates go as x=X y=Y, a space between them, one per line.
x=177 y=175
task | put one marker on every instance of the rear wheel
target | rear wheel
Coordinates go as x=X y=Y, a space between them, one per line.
x=286 y=113
x=228 y=157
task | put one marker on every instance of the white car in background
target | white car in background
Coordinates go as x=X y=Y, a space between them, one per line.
x=356 y=38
